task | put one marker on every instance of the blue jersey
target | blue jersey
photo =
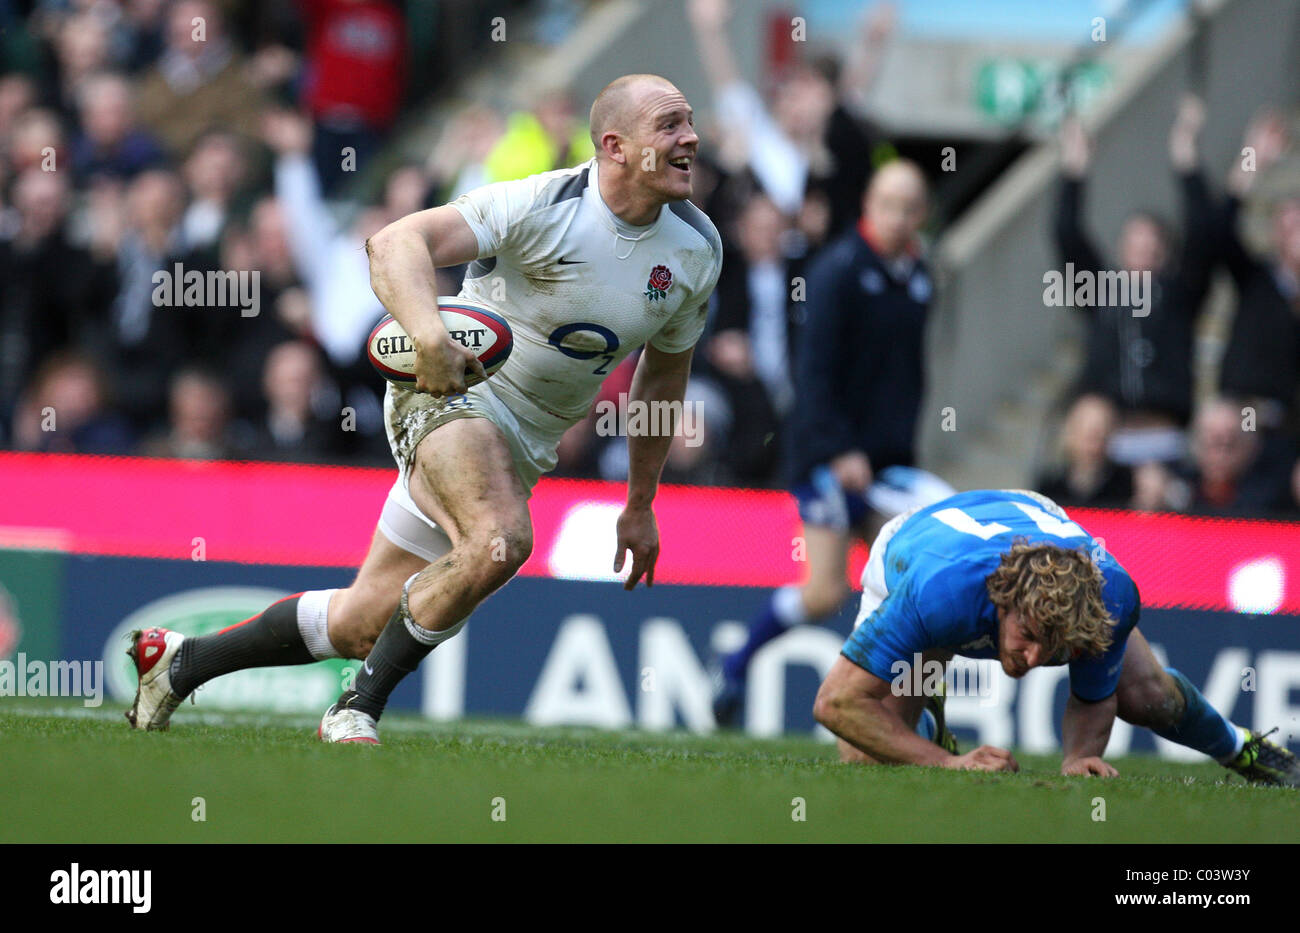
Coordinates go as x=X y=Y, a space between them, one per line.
x=936 y=566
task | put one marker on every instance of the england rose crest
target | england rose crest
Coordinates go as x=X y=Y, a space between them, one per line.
x=661 y=279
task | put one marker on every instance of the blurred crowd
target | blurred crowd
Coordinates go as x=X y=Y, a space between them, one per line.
x=144 y=142
x=1136 y=432
x=140 y=137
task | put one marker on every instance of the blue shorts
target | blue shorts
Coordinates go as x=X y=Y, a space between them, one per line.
x=824 y=503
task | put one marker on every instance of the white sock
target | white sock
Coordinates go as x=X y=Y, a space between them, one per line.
x=787 y=605
x=428 y=637
x=423 y=635
x=313 y=612
x=1241 y=742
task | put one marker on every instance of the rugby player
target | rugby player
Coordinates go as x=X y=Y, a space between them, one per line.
x=587 y=264
x=1006 y=574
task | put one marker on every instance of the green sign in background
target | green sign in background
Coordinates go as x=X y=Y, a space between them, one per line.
x=30 y=586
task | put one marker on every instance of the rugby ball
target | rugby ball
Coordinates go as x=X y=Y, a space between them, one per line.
x=482 y=330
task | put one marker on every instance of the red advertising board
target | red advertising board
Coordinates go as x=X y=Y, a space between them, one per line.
x=324 y=516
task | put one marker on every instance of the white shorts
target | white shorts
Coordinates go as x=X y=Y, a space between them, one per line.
x=874 y=589
x=409 y=417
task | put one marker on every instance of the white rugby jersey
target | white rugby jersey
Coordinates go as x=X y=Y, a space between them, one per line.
x=580 y=296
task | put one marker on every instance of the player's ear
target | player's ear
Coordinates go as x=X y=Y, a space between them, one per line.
x=613 y=145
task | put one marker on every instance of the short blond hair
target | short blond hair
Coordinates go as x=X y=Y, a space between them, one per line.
x=1058 y=592
x=613 y=108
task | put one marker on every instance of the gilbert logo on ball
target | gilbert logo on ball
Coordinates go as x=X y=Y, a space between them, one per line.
x=486 y=333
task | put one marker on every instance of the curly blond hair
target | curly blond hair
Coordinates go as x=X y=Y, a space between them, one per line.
x=1058 y=592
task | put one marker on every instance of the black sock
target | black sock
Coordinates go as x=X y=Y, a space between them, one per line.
x=269 y=640
x=396 y=653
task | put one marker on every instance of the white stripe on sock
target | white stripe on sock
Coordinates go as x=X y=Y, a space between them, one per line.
x=1241 y=743
x=426 y=637
x=313 y=612
x=423 y=635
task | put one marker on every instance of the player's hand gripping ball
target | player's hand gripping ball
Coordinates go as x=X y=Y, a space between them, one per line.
x=480 y=329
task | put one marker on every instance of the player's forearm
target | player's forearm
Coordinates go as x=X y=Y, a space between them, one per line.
x=310 y=227
x=403 y=278
x=870 y=726
x=861 y=71
x=648 y=449
x=646 y=457
x=1085 y=727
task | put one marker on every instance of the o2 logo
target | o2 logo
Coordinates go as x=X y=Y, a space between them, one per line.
x=606 y=354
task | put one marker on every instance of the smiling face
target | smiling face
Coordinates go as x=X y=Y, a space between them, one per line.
x=644 y=133
x=665 y=127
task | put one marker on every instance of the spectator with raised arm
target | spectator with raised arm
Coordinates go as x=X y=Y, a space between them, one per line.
x=1139 y=355
x=1261 y=364
x=332 y=264
x=778 y=145
x=809 y=139
x=331 y=260
x=848 y=139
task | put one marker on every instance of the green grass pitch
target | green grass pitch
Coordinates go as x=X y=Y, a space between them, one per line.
x=78 y=776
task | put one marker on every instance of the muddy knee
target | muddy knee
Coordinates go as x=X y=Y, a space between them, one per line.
x=496 y=554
